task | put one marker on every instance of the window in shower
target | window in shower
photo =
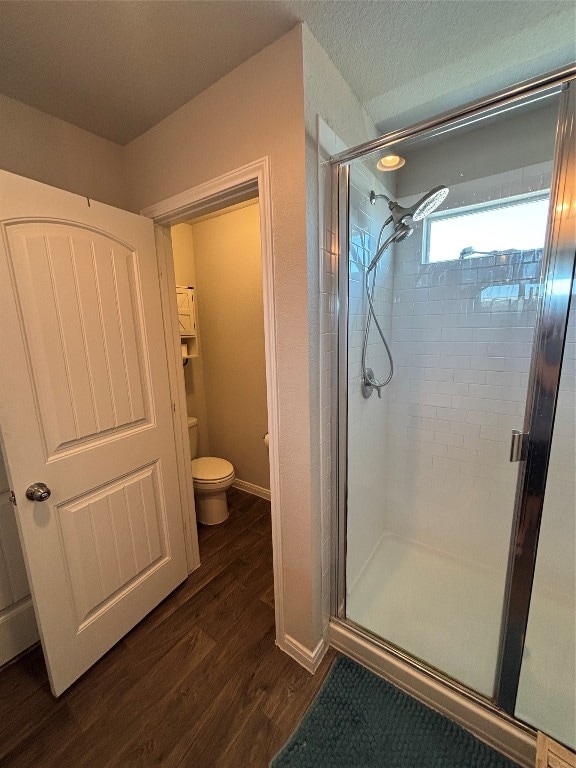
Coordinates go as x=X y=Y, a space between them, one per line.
x=487 y=229
x=427 y=486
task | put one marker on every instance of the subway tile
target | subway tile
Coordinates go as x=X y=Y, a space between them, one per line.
x=444 y=401
x=518 y=364
x=509 y=349
x=488 y=363
x=469 y=376
x=422 y=386
x=404 y=308
x=483 y=418
x=472 y=320
x=462 y=454
x=404 y=281
x=457 y=362
x=423 y=435
x=507 y=335
x=428 y=334
x=431 y=374
x=494 y=392
x=467 y=403
x=524 y=319
x=425 y=361
x=403 y=334
x=435 y=449
x=495 y=433
x=456 y=334
x=410 y=294
x=472 y=348
x=467 y=430
x=449 y=439
x=427 y=308
x=452 y=388
x=424 y=411
x=451 y=414
x=504 y=378
x=435 y=425
x=457 y=306
x=495 y=458
x=446 y=464
x=508 y=407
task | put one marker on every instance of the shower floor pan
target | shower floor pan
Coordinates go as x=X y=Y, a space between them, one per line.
x=446 y=611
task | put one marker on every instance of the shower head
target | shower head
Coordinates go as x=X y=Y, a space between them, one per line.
x=427 y=203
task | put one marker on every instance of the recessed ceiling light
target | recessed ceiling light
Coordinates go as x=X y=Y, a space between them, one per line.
x=390 y=163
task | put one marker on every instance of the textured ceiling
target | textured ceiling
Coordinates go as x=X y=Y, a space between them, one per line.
x=117 y=68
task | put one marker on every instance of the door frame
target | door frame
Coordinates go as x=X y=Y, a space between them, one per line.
x=248 y=181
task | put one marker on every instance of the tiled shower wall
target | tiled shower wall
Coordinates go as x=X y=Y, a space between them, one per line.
x=430 y=461
x=462 y=357
x=368 y=419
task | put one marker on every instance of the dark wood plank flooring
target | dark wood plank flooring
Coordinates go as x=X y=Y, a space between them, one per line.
x=198 y=683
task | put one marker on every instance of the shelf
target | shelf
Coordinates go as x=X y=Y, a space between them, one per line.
x=187 y=321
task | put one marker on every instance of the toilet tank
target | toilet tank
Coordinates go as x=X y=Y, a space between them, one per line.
x=193 y=435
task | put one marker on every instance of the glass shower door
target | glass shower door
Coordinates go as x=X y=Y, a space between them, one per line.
x=547 y=692
x=430 y=487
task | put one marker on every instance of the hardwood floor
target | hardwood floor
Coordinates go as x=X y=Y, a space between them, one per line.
x=199 y=682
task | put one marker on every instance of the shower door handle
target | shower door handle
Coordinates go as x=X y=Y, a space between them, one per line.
x=518 y=445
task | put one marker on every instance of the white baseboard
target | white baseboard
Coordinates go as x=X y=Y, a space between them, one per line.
x=501 y=734
x=308 y=659
x=18 y=629
x=255 y=490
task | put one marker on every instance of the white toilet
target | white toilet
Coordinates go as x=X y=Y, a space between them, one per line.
x=212 y=477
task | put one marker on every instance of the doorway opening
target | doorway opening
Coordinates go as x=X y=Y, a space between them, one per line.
x=233 y=192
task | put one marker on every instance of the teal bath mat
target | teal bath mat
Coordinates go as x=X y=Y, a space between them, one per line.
x=358 y=720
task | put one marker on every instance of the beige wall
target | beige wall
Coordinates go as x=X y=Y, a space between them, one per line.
x=228 y=263
x=326 y=94
x=3 y=477
x=255 y=111
x=193 y=371
x=47 y=149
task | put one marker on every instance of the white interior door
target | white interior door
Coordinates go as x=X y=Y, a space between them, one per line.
x=85 y=408
x=17 y=624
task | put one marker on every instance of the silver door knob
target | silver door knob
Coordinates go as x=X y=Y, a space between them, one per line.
x=38 y=492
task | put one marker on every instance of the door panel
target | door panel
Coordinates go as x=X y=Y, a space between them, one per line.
x=112 y=536
x=86 y=284
x=86 y=408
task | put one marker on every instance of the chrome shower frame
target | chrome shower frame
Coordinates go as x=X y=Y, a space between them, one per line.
x=558 y=264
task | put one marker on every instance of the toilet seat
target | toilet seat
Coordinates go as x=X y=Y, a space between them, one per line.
x=209 y=470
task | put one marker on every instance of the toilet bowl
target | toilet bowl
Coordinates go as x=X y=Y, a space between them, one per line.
x=211 y=477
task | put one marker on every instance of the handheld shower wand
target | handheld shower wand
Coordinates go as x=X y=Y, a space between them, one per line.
x=399 y=216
